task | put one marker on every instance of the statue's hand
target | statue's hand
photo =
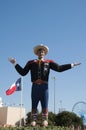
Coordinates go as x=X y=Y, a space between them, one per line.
x=12 y=60
x=76 y=64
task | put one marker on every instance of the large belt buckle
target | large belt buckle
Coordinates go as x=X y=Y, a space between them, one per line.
x=39 y=83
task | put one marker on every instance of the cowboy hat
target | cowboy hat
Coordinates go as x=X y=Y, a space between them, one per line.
x=36 y=48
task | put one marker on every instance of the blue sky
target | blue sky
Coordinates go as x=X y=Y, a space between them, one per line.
x=59 y=24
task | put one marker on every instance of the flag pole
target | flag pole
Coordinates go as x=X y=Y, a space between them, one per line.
x=21 y=100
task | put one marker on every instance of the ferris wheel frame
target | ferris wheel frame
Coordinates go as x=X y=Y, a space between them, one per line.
x=77 y=104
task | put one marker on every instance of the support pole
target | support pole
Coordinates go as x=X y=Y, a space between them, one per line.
x=54 y=78
x=21 y=101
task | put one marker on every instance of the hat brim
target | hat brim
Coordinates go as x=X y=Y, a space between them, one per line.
x=36 y=48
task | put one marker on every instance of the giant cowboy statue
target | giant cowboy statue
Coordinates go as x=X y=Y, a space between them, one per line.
x=40 y=69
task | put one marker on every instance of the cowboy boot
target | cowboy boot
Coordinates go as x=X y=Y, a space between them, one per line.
x=34 y=117
x=45 y=117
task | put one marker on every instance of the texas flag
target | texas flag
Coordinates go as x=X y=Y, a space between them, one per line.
x=14 y=87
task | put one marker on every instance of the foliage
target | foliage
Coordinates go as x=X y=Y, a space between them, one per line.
x=35 y=128
x=28 y=119
x=51 y=118
x=64 y=119
x=68 y=119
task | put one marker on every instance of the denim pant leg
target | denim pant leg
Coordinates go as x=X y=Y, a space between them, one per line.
x=39 y=93
x=44 y=96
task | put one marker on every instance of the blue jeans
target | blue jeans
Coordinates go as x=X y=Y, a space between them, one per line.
x=39 y=93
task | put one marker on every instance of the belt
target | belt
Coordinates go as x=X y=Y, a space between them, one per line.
x=39 y=82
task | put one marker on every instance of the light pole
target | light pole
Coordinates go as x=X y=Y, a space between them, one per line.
x=54 y=79
x=60 y=109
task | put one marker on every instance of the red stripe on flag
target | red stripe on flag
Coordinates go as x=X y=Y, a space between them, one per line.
x=11 y=90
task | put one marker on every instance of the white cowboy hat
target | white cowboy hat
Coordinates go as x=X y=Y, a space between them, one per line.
x=45 y=48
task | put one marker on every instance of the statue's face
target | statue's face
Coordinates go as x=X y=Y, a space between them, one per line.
x=41 y=53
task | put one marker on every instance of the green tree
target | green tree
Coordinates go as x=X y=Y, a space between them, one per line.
x=65 y=118
x=51 y=118
x=68 y=119
x=28 y=118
